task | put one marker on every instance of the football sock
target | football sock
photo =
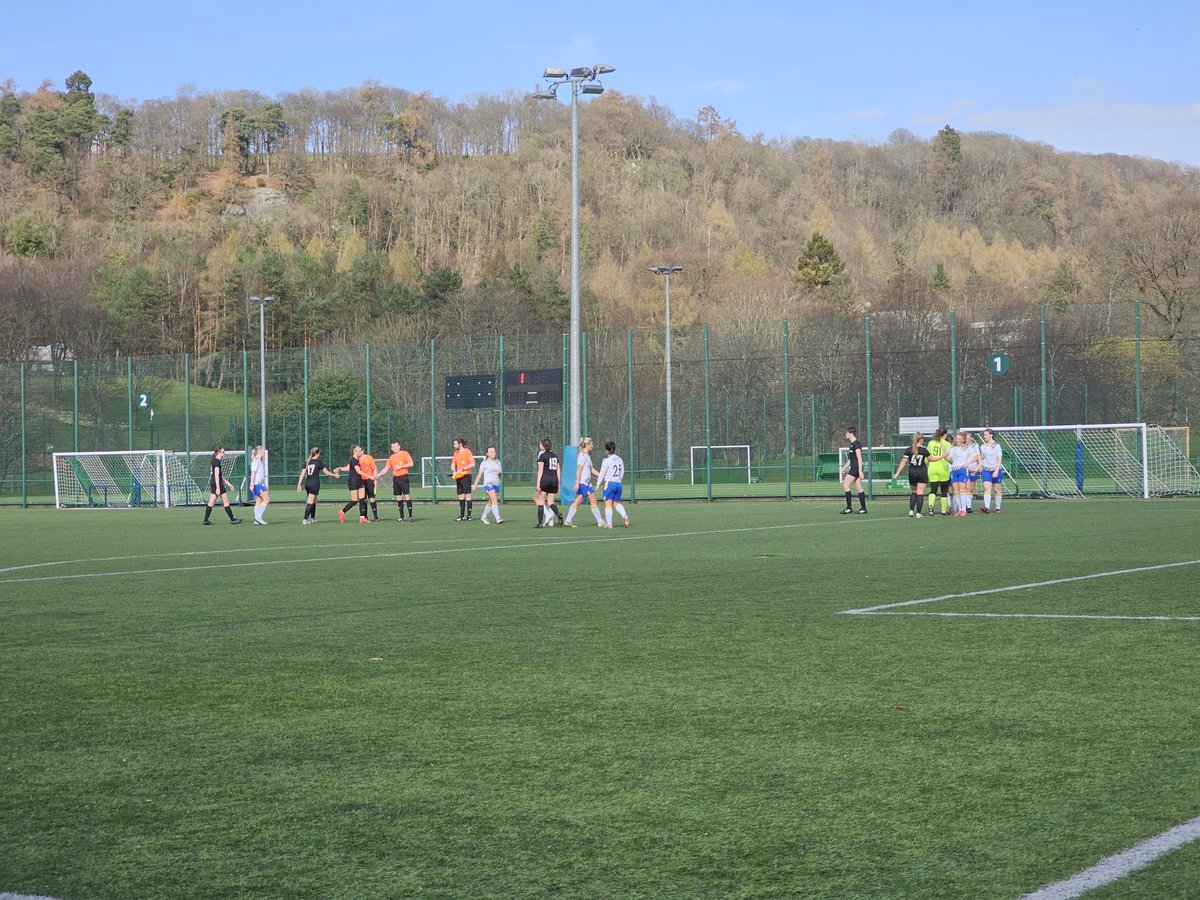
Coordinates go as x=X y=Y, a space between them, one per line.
x=571 y=514
x=554 y=509
x=912 y=502
x=470 y=508
x=400 y=507
x=207 y=512
x=374 y=509
x=849 y=502
x=997 y=501
x=596 y=513
x=349 y=506
x=229 y=512
x=462 y=509
x=409 y=502
x=620 y=510
x=608 y=516
x=362 y=509
x=862 y=500
x=920 y=503
x=987 y=501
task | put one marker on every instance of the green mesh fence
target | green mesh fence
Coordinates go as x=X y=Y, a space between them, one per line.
x=757 y=408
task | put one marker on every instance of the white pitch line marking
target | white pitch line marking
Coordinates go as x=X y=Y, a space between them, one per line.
x=1120 y=864
x=985 y=615
x=397 y=554
x=868 y=610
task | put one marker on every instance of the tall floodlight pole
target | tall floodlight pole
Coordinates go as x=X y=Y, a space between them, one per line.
x=261 y=303
x=583 y=80
x=667 y=272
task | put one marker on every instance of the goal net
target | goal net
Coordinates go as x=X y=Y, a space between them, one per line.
x=187 y=476
x=1136 y=459
x=437 y=470
x=880 y=462
x=730 y=464
x=111 y=480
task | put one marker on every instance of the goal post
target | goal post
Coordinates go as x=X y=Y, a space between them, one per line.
x=112 y=479
x=729 y=463
x=1131 y=458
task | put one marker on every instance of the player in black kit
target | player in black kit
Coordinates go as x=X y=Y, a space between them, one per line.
x=547 y=485
x=852 y=473
x=217 y=482
x=310 y=483
x=916 y=458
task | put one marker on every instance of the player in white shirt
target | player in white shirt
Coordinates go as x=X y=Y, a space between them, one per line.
x=991 y=456
x=962 y=457
x=584 y=470
x=258 y=484
x=489 y=473
x=972 y=470
x=610 y=479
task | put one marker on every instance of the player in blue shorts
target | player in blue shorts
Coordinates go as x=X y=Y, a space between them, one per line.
x=992 y=458
x=489 y=473
x=962 y=457
x=584 y=471
x=611 y=478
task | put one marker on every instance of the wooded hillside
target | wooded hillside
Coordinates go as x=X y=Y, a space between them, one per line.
x=374 y=213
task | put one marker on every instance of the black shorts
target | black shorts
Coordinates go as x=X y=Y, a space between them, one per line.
x=918 y=478
x=548 y=486
x=214 y=488
x=853 y=473
x=369 y=484
x=463 y=484
x=399 y=485
x=312 y=487
x=940 y=487
x=355 y=483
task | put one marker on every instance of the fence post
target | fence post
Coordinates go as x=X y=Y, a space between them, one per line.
x=629 y=411
x=1044 y=422
x=129 y=389
x=246 y=400
x=953 y=369
x=187 y=408
x=307 y=446
x=566 y=405
x=787 y=418
x=1137 y=360
x=500 y=429
x=433 y=419
x=870 y=467
x=368 y=361
x=812 y=403
x=75 y=417
x=24 y=447
x=707 y=418
x=583 y=368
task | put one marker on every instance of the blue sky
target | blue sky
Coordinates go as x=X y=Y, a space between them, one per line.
x=1090 y=77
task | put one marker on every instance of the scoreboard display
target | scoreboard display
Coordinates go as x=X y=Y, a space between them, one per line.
x=470 y=391
x=533 y=387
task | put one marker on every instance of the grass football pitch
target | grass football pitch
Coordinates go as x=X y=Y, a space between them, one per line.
x=681 y=709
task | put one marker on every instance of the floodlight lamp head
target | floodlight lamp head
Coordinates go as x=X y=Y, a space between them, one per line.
x=591 y=87
x=602 y=69
x=545 y=95
x=554 y=73
x=582 y=72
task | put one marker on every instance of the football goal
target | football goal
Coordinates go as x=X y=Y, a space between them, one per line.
x=436 y=470
x=1134 y=458
x=730 y=463
x=111 y=480
x=129 y=479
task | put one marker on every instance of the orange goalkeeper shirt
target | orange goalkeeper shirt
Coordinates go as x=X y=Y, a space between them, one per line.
x=463 y=462
x=400 y=462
